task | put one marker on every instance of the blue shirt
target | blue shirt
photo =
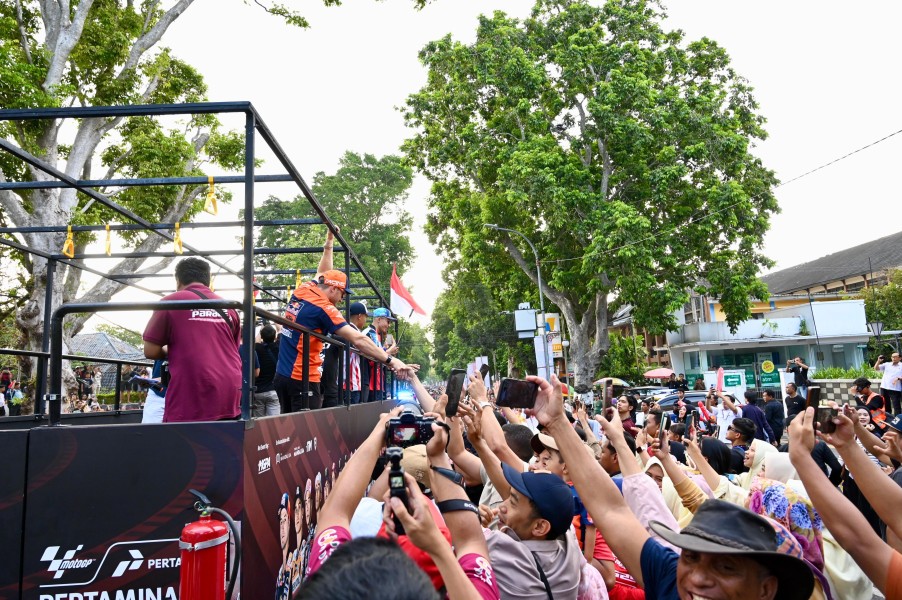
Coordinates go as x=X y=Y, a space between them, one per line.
x=659 y=571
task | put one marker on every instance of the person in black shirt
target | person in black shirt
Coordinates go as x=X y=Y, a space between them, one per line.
x=800 y=374
x=774 y=414
x=266 y=401
x=795 y=402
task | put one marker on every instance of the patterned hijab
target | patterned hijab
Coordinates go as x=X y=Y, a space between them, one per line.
x=793 y=510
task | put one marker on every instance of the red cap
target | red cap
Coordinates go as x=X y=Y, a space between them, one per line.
x=423 y=560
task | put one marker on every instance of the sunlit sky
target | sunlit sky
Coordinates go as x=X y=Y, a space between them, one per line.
x=825 y=76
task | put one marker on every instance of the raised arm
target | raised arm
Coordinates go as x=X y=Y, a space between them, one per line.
x=491 y=429
x=840 y=516
x=884 y=495
x=325 y=263
x=621 y=530
x=712 y=478
x=352 y=482
x=425 y=398
x=728 y=403
x=489 y=460
x=465 y=462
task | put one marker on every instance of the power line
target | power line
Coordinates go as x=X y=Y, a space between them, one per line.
x=711 y=214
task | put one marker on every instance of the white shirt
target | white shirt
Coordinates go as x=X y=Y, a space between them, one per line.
x=724 y=417
x=890 y=372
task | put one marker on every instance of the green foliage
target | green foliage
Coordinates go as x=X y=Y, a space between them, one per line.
x=415 y=347
x=365 y=197
x=841 y=373
x=121 y=333
x=467 y=322
x=621 y=150
x=625 y=358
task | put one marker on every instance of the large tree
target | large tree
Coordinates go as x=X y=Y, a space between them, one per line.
x=622 y=151
x=365 y=198
x=56 y=53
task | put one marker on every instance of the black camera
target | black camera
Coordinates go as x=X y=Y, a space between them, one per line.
x=409 y=429
x=396 y=483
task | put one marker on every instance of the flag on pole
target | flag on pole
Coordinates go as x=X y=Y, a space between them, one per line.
x=402 y=303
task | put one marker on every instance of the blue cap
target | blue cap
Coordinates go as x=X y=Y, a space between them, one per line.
x=383 y=312
x=549 y=493
x=896 y=423
x=358 y=308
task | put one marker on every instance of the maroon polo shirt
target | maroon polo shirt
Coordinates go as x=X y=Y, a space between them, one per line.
x=203 y=359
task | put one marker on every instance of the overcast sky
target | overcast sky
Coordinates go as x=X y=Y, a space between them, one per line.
x=826 y=76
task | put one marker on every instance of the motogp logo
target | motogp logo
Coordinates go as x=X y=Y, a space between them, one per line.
x=58 y=566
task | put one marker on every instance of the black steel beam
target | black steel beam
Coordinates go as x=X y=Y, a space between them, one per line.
x=154 y=226
x=138 y=182
x=195 y=252
x=131 y=110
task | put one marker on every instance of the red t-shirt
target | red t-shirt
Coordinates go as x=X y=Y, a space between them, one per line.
x=477 y=568
x=203 y=359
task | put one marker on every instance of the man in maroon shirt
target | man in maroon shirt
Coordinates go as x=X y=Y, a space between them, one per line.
x=201 y=346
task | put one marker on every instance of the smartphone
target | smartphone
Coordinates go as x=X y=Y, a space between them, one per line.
x=824 y=417
x=662 y=430
x=814 y=396
x=454 y=388
x=484 y=370
x=517 y=393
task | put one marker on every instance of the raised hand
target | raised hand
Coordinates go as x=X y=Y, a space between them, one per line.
x=477 y=390
x=844 y=434
x=801 y=433
x=418 y=524
x=549 y=405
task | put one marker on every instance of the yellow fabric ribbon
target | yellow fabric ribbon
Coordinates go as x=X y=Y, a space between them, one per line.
x=69 y=244
x=109 y=240
x=297 y=278
x=210 y=204
x=177 y=238
x=213 y=283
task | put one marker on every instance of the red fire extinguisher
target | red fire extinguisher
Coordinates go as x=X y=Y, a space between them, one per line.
x=203 y=546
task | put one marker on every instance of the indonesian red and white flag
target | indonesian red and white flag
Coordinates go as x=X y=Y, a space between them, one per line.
x=402 y=303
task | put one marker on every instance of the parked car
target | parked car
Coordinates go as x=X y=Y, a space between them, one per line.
x=648 y=391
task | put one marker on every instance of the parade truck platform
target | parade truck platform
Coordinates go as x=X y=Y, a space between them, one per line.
x=92 y=505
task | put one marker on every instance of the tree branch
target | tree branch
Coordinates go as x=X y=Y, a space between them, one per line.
x=147 y=41
x=555 y=296
x=62 y=37
x=23 y=39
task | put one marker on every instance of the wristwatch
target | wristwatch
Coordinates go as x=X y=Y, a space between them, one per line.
x=484 y=405
x=387 y=360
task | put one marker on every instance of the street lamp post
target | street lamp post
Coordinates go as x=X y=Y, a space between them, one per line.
x=535 y=253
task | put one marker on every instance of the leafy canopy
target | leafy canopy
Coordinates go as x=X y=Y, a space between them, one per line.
x=621 y=150
x=365 y=198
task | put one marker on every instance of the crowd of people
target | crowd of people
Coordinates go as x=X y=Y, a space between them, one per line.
x=556 y=502
x=198 y=352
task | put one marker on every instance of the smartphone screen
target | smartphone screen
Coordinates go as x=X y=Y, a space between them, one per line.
x=454 y=389
x=517 y=393
x=662 y=430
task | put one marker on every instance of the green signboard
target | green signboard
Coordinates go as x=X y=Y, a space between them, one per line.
x=732 y=380
x=770 y=378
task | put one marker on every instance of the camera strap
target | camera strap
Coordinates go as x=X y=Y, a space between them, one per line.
x=542 y=576
x=455 y=505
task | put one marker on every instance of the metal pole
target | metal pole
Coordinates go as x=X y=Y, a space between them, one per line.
x=541 y=295
x=41 y=389
x=249 y=320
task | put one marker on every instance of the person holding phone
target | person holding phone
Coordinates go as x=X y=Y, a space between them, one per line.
x=800 y=374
